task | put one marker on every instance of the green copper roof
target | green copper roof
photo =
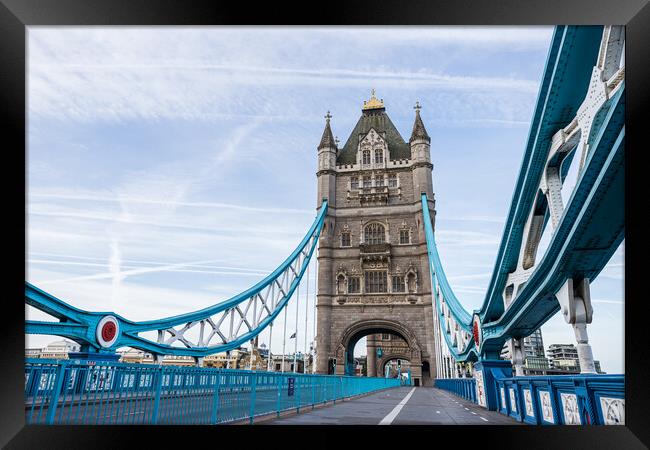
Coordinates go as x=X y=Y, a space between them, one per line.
x=379 y=120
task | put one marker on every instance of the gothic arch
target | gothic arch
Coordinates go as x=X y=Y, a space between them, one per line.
x=362 y=328
x=375 y=230
x=381 y=362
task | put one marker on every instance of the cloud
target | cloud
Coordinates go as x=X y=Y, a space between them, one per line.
x=466 y=238
x=610 y=302
x=215 y=74
x=471 y=218
x=204 y=201
x=115 y=272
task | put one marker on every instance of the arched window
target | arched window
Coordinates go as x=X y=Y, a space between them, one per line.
x=379 y=156
x=375 y=233
x=366 y=157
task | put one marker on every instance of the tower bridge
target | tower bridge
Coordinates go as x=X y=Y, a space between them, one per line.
x=380 y=276
x=372 y=261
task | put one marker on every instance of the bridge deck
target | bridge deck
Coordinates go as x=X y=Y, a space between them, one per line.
x=425 y=406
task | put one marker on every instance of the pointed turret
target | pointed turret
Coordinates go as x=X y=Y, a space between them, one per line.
x=328 y=138
x=326 y=173
x=419 y=132
x=420 y=143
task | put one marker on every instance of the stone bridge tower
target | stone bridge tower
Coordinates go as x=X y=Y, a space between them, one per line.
x=373 y=273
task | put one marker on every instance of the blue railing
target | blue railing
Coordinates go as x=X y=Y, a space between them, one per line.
x=564 y=399
x=553 y=400
x=79 y=392
x=462 y=387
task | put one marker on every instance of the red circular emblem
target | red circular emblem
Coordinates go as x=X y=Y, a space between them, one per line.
x=108 y=331
x=475 y=332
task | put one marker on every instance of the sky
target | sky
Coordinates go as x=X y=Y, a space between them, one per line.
x=170 y=168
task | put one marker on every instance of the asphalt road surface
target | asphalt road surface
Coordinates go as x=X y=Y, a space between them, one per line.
x=400 y=406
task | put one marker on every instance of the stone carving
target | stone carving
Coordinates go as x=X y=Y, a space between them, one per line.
x=570 y=409
x=380 y=264
x=513 y=400
x=528 y=402
x=613 y=410
x=377 y=300
x=480 y=388
x=547 y=409
x=503 y=398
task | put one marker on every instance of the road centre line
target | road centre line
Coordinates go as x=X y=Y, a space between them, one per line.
x=391 y=415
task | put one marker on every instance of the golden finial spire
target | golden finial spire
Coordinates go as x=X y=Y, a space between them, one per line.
x=373 y=103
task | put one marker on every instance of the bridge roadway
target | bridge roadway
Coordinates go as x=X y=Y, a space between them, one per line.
x=399 y=406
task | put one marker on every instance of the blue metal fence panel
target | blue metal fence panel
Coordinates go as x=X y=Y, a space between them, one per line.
x=89 y=393
x=463 y=387
x=553 y=400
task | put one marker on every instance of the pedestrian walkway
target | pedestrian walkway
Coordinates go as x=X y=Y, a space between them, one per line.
x=400 y=406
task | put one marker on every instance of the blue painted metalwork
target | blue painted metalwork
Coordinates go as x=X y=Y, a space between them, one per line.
x=538 y=400
x=571 y=57
x=592 y=224
x=440 y=288
x=81 y=326
x=586 y=233
x=79 y=392
x=591 y=230
x=462 y=387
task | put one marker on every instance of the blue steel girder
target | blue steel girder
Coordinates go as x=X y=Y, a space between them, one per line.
x=442 y=293
x=571 y=57
x=591 y=229
x=256 y=308
x=586 y=233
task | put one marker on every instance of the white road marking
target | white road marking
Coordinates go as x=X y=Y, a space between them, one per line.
x=473 y=412
x=391 y=415
x=437 y=412
x=483 y=418
x=466 y=409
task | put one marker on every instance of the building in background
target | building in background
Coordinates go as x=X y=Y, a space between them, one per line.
x=53 y=350
x=535 y=361
x=277 y=363
x=534 y=345
x=564 y=357
x=33 y=352
x=361 y=366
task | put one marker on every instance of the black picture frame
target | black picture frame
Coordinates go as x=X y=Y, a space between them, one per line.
x=16 y=15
